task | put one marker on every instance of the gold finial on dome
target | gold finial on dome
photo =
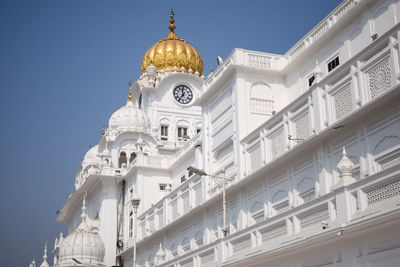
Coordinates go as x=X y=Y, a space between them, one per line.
x=172 y=52
x=172 y=26
x=130 y=91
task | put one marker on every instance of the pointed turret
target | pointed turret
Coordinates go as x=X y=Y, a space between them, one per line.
x=45 y=263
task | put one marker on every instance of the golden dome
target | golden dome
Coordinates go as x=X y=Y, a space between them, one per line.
x=171 y=52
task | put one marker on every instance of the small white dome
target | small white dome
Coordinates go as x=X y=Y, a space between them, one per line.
x=89 y=166
x=129 y=116
x=91 y=157
x=83 y=245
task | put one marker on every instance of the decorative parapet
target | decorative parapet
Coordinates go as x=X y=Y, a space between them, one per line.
x=246 y=58
x=318 y=31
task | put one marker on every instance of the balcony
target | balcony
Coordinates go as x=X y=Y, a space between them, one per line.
x=319 y=218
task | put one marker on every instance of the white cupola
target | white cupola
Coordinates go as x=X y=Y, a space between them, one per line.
x=90 y=165
x=91 y=157
x=82 y=245
x=130 y=117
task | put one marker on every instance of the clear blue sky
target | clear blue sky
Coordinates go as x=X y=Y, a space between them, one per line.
x=64 y=69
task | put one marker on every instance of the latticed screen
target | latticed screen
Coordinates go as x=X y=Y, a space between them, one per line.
x=385 y=191
x=379 y=79
x=343 y=102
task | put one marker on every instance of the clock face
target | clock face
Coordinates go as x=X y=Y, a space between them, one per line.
x=183 y=94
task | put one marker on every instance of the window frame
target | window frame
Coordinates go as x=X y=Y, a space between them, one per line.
x=182 y=133
x=164 y=132
x=311 y=80
x=332 y=64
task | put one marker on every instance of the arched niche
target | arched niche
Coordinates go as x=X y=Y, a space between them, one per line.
x=261 y=98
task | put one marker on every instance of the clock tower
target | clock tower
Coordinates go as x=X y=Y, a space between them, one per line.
x=172 y=75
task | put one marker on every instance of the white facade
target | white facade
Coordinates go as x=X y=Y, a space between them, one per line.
x=278 y=125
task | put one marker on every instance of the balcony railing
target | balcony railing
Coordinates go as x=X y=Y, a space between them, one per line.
x=372 y=197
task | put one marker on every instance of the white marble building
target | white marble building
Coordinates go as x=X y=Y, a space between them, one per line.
x=275 y=126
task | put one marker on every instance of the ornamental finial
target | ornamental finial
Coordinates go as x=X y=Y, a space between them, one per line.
x=83 y=216
x=130 y=91
x=103 y=131
x=172 y=26
x=160 y=255
x=45 y=253
x=345 y=168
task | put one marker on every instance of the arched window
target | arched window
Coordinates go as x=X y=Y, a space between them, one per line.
x=183 y=130
x=133 y=156
x=164 y=129
x=122 y=159
x=182 y=133
x=164 y=132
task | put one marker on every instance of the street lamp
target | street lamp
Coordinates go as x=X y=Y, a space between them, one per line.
x=135 y=204
x=224 y=179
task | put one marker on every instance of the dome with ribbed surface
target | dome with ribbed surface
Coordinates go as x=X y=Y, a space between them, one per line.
x=91 y=157
x=82 y=245
x=173 y=52
x=129 y=116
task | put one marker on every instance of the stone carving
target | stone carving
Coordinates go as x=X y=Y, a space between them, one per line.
x=379 y=79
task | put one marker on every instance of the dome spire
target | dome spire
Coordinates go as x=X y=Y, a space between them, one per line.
x=45 y=263
x=45 y=252
x=345 y=168
x=83 y=216
x=130 y=91
x=172 y=26
x=82 y=244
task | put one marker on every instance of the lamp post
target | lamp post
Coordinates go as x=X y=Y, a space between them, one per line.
x=224 y=179
x=135 y=204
